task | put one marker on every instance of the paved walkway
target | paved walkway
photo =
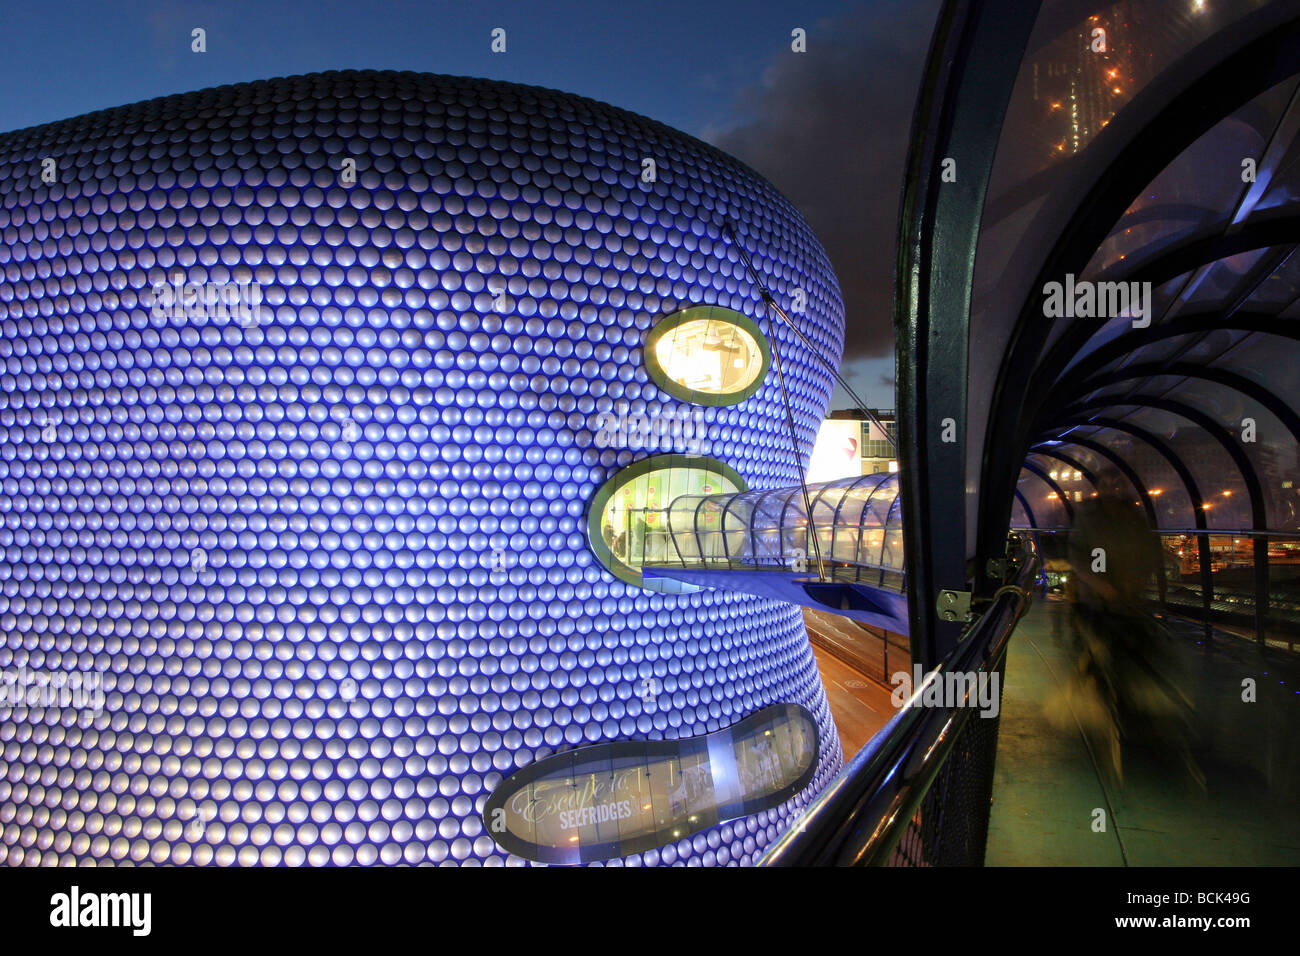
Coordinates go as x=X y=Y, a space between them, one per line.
x=1047 y=785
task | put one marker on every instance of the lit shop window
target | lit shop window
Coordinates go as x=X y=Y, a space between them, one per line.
x=707 y=355
x=614 y=799
x=628 y=521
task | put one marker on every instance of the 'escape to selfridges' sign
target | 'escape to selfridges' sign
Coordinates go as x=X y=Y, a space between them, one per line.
x=624 y=797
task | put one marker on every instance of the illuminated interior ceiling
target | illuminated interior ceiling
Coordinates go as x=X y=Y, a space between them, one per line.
x=628 y=524
x=707 y=356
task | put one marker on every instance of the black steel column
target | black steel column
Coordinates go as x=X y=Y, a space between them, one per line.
x=974 y=58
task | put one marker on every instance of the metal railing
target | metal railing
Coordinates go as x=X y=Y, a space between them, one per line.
x=919 y=793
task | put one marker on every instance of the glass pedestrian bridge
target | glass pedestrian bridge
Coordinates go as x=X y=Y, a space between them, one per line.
x=848 y=558
x=855 y=529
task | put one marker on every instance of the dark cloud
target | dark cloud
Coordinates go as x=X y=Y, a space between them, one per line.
x=872 y=378
x=830 y=129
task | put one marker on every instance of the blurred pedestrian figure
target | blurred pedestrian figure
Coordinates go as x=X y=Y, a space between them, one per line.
x=1123 y=689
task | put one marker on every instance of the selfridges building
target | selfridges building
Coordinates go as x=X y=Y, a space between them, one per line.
x=329 y=465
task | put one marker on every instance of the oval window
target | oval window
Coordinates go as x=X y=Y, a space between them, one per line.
x=627 y=523
x=707 y=355
x=628 y=796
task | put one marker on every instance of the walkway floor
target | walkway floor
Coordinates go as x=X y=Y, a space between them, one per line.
x=1047 y=785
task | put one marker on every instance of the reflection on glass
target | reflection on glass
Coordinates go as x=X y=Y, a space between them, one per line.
x=710 y=355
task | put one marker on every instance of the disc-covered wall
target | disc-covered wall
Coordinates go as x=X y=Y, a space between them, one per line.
x=300 y=389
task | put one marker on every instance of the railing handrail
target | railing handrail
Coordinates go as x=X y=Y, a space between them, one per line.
x=776 y=563
x=859 y=817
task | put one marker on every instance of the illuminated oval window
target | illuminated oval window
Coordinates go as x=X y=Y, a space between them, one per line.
x=627 y=523
x=628 y=796
x=707 y=355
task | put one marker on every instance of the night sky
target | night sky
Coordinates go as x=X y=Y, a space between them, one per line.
x=828 y=127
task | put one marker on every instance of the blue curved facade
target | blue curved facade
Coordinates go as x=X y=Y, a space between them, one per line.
x=325 y=550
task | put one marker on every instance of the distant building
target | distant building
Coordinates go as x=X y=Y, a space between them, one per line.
x=850 y=444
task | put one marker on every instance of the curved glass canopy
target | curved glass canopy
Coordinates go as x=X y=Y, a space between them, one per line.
x=855 y=530
x=1143 y=154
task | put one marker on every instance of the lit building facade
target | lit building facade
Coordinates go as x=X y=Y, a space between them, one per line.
x=308 y=390
x=849 y=443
